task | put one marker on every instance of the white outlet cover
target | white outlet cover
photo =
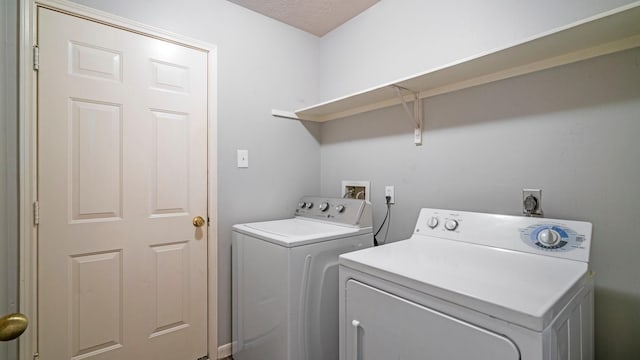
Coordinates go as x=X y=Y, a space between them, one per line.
x=243 y=158
x=389 y=190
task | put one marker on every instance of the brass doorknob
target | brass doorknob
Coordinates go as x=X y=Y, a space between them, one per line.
x=198 y=221
x=12 y=326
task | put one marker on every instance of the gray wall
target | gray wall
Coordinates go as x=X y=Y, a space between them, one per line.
x=262 y=64
x=571 y=131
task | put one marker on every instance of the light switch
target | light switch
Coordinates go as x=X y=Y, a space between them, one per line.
x=243 y=158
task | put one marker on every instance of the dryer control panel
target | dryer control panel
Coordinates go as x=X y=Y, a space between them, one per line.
x=559 y=238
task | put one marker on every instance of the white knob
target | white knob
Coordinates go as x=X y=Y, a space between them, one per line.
x=340 y=208
x=302 y=204
x=309 y=205
x=324 y=206
x=432 y=222
x=451 y=225
x=548 y=237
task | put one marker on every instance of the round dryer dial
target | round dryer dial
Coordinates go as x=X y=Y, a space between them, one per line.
x=451 y=225
x=551 y=237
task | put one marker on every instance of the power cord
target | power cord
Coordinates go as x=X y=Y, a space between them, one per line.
x=387 y=220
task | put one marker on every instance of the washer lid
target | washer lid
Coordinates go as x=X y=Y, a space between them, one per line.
x=297 y=232
x=521 y=288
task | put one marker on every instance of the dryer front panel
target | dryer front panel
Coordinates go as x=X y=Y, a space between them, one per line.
x=381 y=326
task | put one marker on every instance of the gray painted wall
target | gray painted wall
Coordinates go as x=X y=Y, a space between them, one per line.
x=571 y=131
x=262 y=64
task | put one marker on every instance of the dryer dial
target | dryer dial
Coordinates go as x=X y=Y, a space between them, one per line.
x=552 y=237
x=451 y=225
x=548 y=237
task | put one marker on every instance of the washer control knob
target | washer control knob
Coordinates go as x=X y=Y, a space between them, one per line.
x=451 y=225
x=302 y=204
x=432 y=222
x=324 y=206
x=340 y=208
x=309 y=205
x=548 y=237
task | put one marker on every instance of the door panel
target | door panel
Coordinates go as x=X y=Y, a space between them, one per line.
x=170 y=164
x=382 y=326
x=97 y=297
x=122 y=126
x=96 y=161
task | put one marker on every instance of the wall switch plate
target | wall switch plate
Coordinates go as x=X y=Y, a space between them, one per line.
x=243 y=158
x=390 y=191
x=532 y=202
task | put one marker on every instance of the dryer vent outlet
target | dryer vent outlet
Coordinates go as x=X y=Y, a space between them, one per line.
x=532 y=202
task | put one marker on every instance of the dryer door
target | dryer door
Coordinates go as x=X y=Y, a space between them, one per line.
x=382 y=326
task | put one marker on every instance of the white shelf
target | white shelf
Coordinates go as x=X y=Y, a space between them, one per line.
x=603 y=34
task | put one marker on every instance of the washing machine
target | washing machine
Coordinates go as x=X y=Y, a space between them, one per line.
x=285 y=279
x=471 y=286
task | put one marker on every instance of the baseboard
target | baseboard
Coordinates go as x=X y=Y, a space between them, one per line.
x=224 y=351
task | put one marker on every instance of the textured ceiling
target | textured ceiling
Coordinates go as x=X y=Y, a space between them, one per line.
x=317 y=17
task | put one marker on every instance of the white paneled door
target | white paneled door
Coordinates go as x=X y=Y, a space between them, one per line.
x=122 y=173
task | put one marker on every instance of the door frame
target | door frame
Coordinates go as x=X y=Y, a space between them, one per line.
x=28 y=162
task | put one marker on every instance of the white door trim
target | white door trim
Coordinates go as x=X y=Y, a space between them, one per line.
x=28 y=156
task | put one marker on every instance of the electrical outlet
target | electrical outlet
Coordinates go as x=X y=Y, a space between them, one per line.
x=532 y=202
x=389 y=191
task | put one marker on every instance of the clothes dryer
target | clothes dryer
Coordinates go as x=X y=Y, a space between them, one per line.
x=285 y=279
x=471 y=286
